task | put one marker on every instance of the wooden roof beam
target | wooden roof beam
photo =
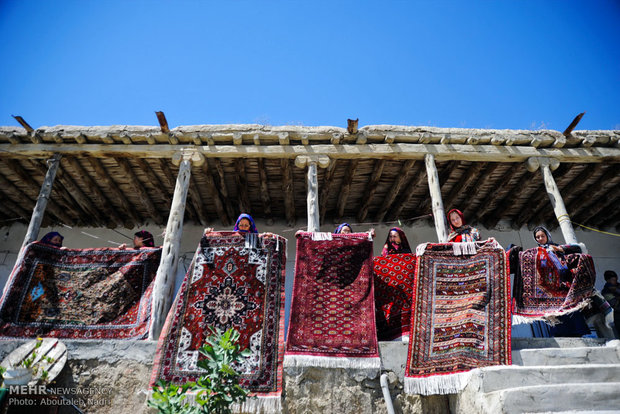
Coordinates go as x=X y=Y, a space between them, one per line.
x=598 y=209
x=567 y=132
x=215 y=195
x=401 y=151
x=581 y=206
x=345 y=187
x=417 y=178
x=138 y=187
x=242 y=186
x=444 y=176
x=94 y=187
x=371 y=189
x=289 y=193
x=404 y=175
x=508 y=200
x=264 y=192
x=53 y=206
x=483 y=181
x=12 y=207
x=463 y=185
x=324 y=194
x=116 y=193
x=501 y=190
x=163 y=122
x=224 y=188
x=170 y=183
x=31 y=132
x=196 y=201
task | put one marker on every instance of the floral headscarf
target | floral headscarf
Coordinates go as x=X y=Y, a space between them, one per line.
x=248 y=218
x=393 y=248
x=147 y=238
x=47 y=239
x=339 y=228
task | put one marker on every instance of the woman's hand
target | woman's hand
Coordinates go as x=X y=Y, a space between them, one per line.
x=208 y=230
x=122 y=246
x=557 y=248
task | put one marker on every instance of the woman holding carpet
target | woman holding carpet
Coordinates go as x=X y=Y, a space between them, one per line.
x=461 y=232
x=396 y=242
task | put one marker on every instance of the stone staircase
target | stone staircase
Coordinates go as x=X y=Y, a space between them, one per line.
x=548 y=375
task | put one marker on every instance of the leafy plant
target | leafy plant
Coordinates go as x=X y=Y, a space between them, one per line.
x=217 y=389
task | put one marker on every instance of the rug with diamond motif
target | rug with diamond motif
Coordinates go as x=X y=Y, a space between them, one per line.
x=79 y=293
x=542 y=293
x=235 y=281
x=394 y=276
x=460 y=316
x=332 y=322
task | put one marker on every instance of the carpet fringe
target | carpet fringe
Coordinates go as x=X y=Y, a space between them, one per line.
x=321 y=235
x=549 y=318
x=438 y=384
x=297 y=361
x=465 y=248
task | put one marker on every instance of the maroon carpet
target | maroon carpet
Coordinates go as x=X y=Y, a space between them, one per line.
x=332 y=321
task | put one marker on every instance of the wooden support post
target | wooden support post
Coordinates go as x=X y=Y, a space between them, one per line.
x=44 y=195
x=313 y=187
x=546 y=165
x=437 y=204
x=166 y=273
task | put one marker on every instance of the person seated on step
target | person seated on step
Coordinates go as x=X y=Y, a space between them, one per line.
x=396 y=242
x=140 y=239
x=459 y=231
x=53 y=238
x=345 y=228
x=611 y=292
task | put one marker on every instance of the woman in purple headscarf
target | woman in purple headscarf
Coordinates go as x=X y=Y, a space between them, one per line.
x=53 y=238
x=396 y=242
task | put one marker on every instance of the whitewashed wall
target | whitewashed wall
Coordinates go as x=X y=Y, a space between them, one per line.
x=605 y=249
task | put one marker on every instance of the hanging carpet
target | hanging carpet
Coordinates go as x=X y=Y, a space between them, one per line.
x=332 y=322
x=460 y=316
x=394 y=275
x=547 y=287
x=79 y=293
x=235 y=281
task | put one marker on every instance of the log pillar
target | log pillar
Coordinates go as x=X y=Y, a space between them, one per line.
x=44 y=195
x=167 y=271
x=546 y=165
x=439 y=214
x=313 y=187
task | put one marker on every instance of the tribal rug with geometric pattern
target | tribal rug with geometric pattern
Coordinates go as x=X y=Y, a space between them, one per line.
x=235 y=281
x=332 y=322
x=79 y=293
x=394 y=276
x=460 y=317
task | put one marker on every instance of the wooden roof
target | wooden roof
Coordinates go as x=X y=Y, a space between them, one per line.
x=123 y=175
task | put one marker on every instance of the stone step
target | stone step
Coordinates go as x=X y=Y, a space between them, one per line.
x=567 y=356
x=556 y=398
x=491 y=379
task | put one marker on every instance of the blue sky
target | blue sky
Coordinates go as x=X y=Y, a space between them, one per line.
x=473 y=64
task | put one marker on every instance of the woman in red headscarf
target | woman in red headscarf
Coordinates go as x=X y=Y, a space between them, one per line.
x=396 y=242
x=461 y=232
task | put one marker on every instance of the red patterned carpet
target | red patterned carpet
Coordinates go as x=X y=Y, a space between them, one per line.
x=460 y=317
x=332 y=321
x=394 y=275
x=234 y=281
x=80 y=293
x=540 y=291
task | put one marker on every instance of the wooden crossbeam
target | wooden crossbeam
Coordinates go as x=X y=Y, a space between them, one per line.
x=404 y=175
x=462 y=187
x=371 y=189
x=264 y=191
x=346 y=187
x=138 y=187
x=444 y=176
x=482 y=182
x=94 y=187
x=163 y=123
x=506 y=201
x=214 y=194
x=289 y=194
x=324 y=194
x=585 y=204
x=224 y=189
x=114 y=190
x=418 y=177
x=501 y=190
x=242 y=186
x=196 y=201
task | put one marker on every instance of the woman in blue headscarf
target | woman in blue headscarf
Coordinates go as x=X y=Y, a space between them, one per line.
x=344 y=228
x=245 y=224
x=53 y=238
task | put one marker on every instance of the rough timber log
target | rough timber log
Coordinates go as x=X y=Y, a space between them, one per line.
x=44 y=194
x=438 y=212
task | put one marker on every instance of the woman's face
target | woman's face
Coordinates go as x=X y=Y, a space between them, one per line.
x=56 y=240
x=455 y=219
x=244 y=225
x=394 y=237
x=541 y=237
x=138 y=241
x=346 y=230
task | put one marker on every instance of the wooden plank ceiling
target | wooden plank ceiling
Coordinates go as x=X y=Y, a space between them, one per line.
x=96 y=189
